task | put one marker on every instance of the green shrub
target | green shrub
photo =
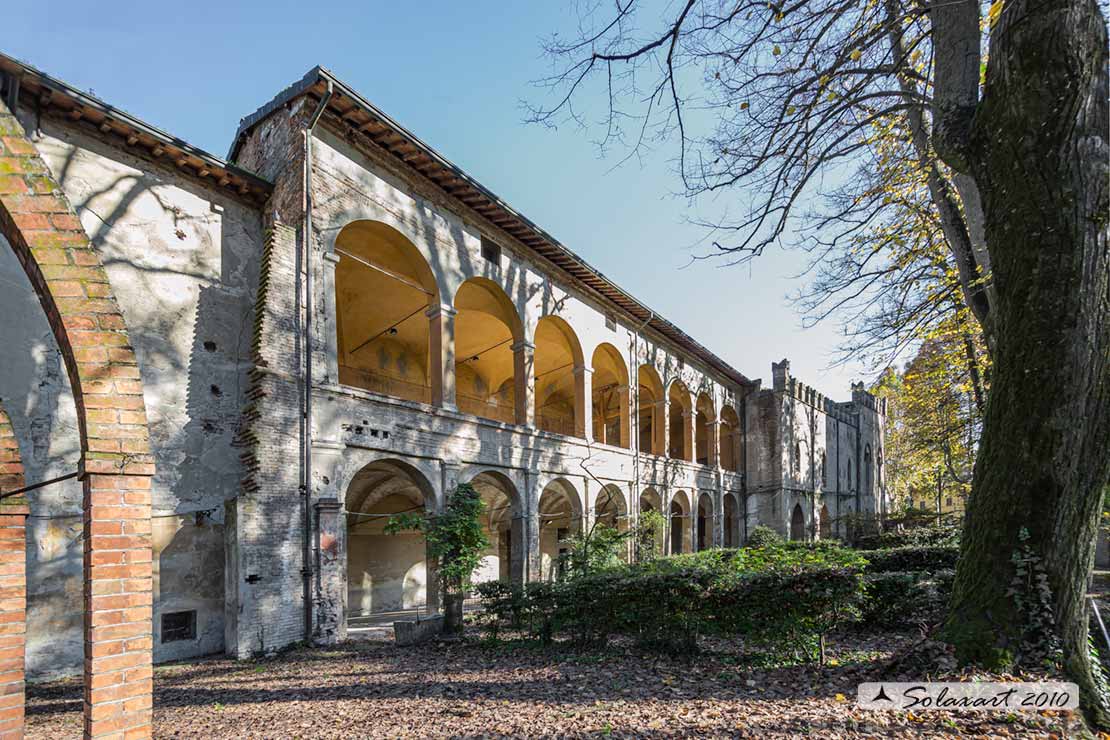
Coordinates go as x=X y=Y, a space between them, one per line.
x=909 y=559
x=762 y=536
x=781 y=599
x=900 y=599
x=947 y=535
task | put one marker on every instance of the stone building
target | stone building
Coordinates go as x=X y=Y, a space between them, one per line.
x=298 y=391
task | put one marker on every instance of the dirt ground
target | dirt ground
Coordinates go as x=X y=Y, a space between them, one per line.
x=370 y=688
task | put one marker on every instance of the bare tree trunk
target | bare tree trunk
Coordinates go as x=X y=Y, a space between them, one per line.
x=1037 y=147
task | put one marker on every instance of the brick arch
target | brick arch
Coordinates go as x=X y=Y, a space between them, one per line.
x=69 y=279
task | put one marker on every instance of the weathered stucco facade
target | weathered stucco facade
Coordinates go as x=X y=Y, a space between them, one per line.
x=445 y=339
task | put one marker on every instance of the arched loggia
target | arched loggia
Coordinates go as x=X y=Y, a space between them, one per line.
x=650 y=416
x=386 y=573
x=560 y=379
x=680 y=422
x=610 y=396
x=384 y=289
x=488 y=341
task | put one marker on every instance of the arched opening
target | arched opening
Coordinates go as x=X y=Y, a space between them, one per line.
x=650 y=541
x=824 y=524
x=730 y=521
x=677 y=423
x=679 y=515
x=729 y=439
x=560 y=513
x=122 y=459
x=386 y=573
x=798 y=524
x=558 y=382
x=610 y=396
x=867 y=481
x=649 y=424
x=486 y=327
x=705 y=522
x=703 y=430
x=506 y=556
x=383 y=289
x=611 y=510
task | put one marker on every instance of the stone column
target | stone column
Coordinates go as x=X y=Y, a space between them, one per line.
x=331 y=336
x=524 y=382
x=712 y=430
x=663 y=428
x=331 y=585
x=531 y=505
x=584 y=403
x=624 y=401
x=441 y=354
x=689 y=418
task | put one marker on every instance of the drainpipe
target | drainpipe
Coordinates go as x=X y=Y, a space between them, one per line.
x=634 y=422
x=306 y=467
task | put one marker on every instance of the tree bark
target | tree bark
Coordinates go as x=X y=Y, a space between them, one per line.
x=1038 y=150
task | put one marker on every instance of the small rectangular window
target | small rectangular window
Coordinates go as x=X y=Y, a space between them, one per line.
x=179 y=626
x=491 y=251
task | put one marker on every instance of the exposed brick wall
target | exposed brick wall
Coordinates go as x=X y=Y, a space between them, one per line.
x=69 y=278
x=265 y=529
x=13 y=582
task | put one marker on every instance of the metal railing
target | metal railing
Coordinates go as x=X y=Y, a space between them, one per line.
x=387 y=385
x=555 y=423
x=487 y=408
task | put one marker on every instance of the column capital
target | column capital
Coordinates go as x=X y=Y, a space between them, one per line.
x=583 y=370
x=522 y=344
x=441 y=309
x=332 y=257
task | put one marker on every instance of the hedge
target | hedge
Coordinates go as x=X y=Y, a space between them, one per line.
x=781 y=601
x=899 y=599
x=910 y=559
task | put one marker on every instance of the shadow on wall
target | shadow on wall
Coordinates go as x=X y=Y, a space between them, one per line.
x=184 y=271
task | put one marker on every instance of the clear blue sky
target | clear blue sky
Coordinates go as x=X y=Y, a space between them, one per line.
x=455 y=74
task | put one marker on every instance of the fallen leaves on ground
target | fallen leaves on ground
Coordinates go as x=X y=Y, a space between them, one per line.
x=370 y=688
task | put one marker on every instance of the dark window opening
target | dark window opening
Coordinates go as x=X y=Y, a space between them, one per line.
x=179 y=626
x=491 y=251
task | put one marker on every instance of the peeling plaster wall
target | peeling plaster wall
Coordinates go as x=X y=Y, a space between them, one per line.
x=182 y=262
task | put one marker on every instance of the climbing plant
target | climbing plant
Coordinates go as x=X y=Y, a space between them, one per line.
x=456 y=540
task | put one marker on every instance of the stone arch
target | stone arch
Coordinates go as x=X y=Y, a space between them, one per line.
x=384 y=290
x=868 y=481
x=677 y=514
x=42 y=228
x=730 y=520
x=824 y=523
x=651 y=546
x=729 y=437
x=798 y=523
x=386 y=572
x=559 y=378
x=506 y=558
x=610 y=396
x=611 y=507
x=650 y=402
x=488 y=334
x=559 y=517
x=679 y=422
x=704 y=523
x=705 y=442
